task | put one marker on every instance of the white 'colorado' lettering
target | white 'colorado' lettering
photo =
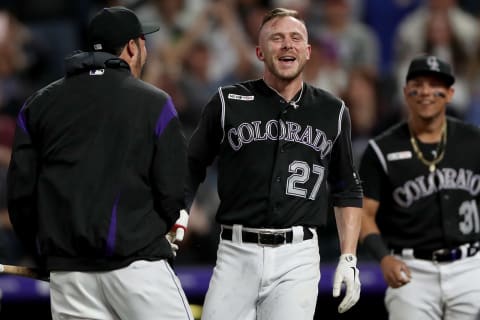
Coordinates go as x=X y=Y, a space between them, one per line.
x=442 y=179
x=275 y=130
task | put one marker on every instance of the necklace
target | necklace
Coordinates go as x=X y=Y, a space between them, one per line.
x=439 y=152
x=293 y=103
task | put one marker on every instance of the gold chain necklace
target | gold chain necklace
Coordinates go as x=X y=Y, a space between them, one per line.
x=439 y=154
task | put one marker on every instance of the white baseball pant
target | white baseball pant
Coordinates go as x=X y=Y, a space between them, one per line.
x=437 y=291
x=144 y=290
x=255 y=282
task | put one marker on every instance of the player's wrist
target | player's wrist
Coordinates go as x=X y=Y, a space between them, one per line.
x=348 y=257
x=376 y=246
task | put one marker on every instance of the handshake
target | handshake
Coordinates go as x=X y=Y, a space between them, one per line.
x=177 y=232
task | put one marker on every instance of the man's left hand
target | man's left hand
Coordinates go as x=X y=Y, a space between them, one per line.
x=347 y=273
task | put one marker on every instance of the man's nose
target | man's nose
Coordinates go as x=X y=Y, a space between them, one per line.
x=425 y=89
x=287 y=44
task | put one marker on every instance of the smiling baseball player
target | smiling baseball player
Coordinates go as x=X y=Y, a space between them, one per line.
x=279 y=143
x=422 y=189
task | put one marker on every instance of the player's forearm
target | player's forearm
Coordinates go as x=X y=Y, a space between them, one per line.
x=370 y=234
x=348 y=221
x=369 y=213
x=369 y=226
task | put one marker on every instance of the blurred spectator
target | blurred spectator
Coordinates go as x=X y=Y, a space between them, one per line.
x=384 y=16
x=175 y=18
x=232 y=52
x=442 y=42
x=324 y=69
x=250 y=24
x=361 y=98
x=11 y=251
x=156 y=73
x=473 y=112
x=21 y=63
x=442 y=28
x=244 y=8
x=356 y=43
x=212 y=51
x=56 y=26
x=196 y=84
x=411 y=35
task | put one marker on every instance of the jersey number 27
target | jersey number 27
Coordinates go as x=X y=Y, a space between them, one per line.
x=300 y=174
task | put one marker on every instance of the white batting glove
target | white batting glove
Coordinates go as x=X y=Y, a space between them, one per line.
x=347 y=273
x=178 y=230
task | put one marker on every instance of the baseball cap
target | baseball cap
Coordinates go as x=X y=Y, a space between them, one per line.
x=429 y=64
x=112 y=27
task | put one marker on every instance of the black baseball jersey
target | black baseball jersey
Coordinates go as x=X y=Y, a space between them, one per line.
x=418 y=208
x=277 y=160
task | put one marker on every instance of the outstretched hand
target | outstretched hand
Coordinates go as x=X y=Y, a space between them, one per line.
x=347 y=273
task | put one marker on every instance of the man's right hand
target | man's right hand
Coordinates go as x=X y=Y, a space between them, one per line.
x=177 y=232
x=395 y=271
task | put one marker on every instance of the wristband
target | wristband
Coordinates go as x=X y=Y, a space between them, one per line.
x=376 y=246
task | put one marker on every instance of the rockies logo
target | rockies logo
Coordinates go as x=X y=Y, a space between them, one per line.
x=433 y=63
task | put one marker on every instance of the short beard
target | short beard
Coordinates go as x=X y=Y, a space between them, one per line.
x=138 y=63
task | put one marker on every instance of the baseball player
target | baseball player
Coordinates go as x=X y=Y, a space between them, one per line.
x=96 y=181
x=422 y=189
x=279 y=142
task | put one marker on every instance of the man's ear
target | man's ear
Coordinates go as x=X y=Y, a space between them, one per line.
x=129 y=51
x=131 y=48
x=259 y=53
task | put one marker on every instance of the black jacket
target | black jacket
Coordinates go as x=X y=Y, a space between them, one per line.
x=96 y=177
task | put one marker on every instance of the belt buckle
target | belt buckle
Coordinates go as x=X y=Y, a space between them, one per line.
x=443 y=255
x=472 y=250
x=439 y=253
x=271 y=239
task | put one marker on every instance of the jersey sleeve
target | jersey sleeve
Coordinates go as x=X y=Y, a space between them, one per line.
x=343 y=178
x=204 y=145
x=22 y=183
x=169 y=164
x=372 y=173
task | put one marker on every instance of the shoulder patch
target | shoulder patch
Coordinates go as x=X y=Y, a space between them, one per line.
x=401 y=155
x=240 y=97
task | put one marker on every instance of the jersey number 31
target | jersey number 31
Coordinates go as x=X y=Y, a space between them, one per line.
x=470 y=222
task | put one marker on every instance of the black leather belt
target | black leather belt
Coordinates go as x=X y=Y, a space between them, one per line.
x=268 y=238
x=442 y=255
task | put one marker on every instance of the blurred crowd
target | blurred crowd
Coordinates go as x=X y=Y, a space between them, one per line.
x=360 y=51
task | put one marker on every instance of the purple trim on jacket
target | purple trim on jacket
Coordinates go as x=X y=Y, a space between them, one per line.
x=112 y=230
x=167 y=114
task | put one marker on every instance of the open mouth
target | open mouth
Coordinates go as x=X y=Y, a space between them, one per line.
x=287 y=59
